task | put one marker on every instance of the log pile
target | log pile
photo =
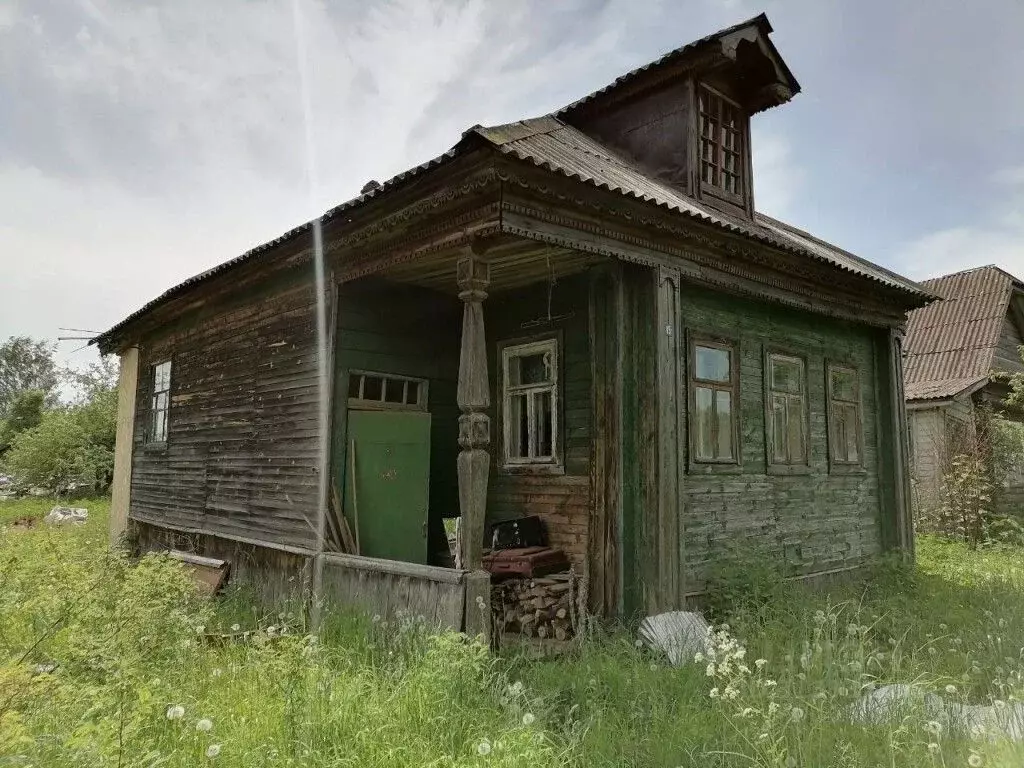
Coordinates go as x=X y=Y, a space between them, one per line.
x=541 y=606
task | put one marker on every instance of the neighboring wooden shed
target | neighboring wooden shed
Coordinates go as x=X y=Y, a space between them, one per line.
x=958 y=353
x=580 y=317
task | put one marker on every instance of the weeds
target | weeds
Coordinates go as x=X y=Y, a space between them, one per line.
x=105 y=662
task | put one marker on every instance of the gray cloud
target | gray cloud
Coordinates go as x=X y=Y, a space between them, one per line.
x=143 y=142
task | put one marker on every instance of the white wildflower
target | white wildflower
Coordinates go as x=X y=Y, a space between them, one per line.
x=698 y=657
x=516 y=688
x=773 y=707
x=205 y=725
x=713 y=693
x=483 y=748
x=710 y=671
x=796 y=714
x=933 y=726
x=730 y=693
x=950 y=689
x=176 y=712
x=974 y=760
x=217 y=672
x=760 y=663
x=943 y=627
x=528 y=718
x=271 y=630
x=235 y=627
x=212 y=751
x=933 y=748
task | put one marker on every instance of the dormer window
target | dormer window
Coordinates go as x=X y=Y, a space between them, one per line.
x=721 y=145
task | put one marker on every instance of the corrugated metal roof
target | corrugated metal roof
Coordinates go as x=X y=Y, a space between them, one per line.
x=549 y=143
x=761 y=21
x=951 y=343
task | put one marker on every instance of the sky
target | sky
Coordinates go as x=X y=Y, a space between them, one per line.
x=143 y=142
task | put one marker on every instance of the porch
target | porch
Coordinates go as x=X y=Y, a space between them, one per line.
x=462 y=391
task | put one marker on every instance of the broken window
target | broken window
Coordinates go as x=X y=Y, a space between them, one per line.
x=530 y=403
x=159 y=402
x=787 y=410
x=721 y=143
x=844 y=429
x=714 y=384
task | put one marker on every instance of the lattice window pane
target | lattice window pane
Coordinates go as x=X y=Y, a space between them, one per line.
x=721 y=150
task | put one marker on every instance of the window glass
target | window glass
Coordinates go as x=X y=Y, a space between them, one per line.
x=844 y=415
x=159 y=404
x=712 y=364
x=530 y=403
x=786 y=418
x=714 y=383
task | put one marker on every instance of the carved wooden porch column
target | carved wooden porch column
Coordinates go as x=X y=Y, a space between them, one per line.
x=473 y=398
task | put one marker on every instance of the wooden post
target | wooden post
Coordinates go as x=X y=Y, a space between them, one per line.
x=474 y=398
x=901 y=453
x=121 y=491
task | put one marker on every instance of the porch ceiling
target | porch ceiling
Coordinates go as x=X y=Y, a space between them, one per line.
x=515 y=262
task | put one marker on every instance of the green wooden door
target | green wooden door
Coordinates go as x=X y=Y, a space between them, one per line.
x=387 y=494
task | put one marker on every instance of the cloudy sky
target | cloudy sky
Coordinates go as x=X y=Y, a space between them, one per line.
x=142 y=142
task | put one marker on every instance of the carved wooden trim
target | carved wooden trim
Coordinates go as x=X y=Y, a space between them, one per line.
x=473 y=398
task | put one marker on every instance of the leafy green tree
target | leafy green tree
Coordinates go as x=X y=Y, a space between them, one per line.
x=26 y=364
x=26 y=412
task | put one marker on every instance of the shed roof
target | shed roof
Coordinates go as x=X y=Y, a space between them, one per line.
x=951 y=343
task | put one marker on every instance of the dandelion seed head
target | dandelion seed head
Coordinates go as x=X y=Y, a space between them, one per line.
x=176 y=712
x=212 y=751
x=950 y=689
x=974 y=760
x=483 y=748
x=796 y=714
x=528 y=718
x=205 y=725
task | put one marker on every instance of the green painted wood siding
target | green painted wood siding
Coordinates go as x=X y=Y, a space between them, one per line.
x=561 y=500
x=407 y=331
x=819 y=521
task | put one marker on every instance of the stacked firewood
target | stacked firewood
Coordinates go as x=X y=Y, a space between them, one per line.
x=541 y=606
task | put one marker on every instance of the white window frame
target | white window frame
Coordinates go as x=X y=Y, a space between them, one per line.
x=508 y=352
x=157 y=436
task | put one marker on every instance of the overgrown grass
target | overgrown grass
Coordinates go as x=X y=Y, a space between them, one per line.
x=137 y=682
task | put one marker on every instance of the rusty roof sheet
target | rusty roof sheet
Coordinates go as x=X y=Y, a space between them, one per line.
x=951 y=343
x=549 y=143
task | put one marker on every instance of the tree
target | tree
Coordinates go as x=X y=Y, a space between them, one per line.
x=25 y=412
x=26 y=364
x=97 y=378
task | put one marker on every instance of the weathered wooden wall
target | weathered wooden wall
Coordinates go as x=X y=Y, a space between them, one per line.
x=399 y=329
x=242 y=451
x=384 y=588
x=819 y=521
x=561 y=500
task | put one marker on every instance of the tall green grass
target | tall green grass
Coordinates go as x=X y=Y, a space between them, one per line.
x=104 y=662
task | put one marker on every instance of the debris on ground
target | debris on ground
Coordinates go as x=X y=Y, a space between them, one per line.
x=891 y=702
x=66 y=516
x=680 y=635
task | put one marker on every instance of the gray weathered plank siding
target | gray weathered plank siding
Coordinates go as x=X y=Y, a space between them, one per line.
x=1006 y=355
x=242 y=451
x=818 y=521
x=562 y=501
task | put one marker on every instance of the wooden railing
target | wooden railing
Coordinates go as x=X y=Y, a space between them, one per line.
x=384 y=587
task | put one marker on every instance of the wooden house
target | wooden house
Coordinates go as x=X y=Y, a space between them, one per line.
x=959 y=354
x=580 y=317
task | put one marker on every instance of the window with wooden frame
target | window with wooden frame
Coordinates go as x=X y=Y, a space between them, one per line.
x=529 y=404
x=159 y=401
x=786 y=415
x=722 y=138
x=714 y=399
x=844 y=424
x=376 y=391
